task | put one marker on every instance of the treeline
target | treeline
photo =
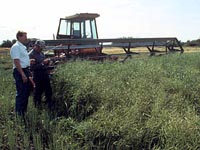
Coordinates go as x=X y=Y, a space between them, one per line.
x=7 y=43
x=192 y=43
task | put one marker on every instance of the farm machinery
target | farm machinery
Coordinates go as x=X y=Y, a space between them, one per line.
x=77 y=37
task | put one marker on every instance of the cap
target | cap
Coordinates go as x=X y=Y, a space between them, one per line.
x=40 y=43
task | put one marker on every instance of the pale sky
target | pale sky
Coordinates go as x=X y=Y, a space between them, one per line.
x=118 y=18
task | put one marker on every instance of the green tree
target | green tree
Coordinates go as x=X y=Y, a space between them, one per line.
x=6 y=43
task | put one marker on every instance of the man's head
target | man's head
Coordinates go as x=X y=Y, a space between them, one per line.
x=21 y=36
x=40 y=44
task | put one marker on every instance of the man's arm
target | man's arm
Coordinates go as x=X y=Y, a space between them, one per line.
x=36 y=65
x=19 y=69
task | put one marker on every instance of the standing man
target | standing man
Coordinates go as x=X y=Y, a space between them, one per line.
x=21 y=65
x=40 y=74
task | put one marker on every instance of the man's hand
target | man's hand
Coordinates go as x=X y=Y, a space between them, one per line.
x=19 y=69
x=24 y=78
x=32 y=61
x=46 y=61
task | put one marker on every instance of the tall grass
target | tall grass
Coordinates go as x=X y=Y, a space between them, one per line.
x=142 y=104
x=148 y=103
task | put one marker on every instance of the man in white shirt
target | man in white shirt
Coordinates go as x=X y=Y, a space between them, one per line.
x=21 y=72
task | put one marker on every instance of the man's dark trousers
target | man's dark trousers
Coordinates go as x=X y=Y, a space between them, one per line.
x=42 y=82
x=23 y=92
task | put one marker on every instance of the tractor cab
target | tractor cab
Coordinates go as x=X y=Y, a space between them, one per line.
x=78 y=26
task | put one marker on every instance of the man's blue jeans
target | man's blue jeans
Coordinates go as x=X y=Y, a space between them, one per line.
x=23 y=92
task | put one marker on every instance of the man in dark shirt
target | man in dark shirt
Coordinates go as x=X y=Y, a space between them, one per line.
x=39 y=68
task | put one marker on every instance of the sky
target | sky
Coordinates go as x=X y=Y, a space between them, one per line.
x=118 y=18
